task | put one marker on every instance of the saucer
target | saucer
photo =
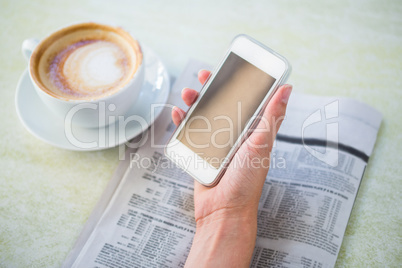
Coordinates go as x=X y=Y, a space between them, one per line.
x=48 y=127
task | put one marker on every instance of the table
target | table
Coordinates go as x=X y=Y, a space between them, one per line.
x=344 y=48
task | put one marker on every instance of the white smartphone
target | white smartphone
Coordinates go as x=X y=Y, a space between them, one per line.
x=228 y=107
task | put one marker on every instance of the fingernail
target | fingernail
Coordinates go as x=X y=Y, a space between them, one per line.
x=286 y=93
x=183 y=90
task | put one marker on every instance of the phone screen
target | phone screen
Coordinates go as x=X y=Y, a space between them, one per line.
x=225 y=108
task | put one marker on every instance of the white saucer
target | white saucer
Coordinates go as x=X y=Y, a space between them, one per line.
x=46 y=126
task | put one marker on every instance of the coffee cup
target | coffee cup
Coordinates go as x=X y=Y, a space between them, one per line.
x=88 y=73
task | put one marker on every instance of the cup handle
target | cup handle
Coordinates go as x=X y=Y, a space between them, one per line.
x=28 y=47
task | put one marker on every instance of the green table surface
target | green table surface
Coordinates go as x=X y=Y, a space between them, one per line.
x=342 y=48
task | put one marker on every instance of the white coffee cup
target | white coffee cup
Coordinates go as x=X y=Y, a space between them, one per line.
x=81 y=103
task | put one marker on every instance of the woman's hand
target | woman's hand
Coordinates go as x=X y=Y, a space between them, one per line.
x=226 y=215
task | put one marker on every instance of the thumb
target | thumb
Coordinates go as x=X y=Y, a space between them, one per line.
x=263 y=136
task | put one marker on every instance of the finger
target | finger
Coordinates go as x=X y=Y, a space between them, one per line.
x=277 y=106
x=189 y=95
x=203 y=76
x=177 y=115
x=264 y=134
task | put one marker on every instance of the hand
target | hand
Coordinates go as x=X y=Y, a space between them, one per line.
x=226 y=215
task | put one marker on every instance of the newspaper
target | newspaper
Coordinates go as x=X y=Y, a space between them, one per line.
x=146 y=216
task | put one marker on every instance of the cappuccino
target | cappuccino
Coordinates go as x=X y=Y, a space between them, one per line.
x=85 y=62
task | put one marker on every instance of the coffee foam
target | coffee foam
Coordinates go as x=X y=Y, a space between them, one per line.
x=88 y=64
x=89 y=68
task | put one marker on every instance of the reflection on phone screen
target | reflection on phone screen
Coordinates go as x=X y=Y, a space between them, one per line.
x=224 y=110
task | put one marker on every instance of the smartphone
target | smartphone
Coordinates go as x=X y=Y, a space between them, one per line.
x=227 y=109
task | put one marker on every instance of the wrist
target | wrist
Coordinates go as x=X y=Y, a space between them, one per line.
x=224 y=238
x=240 y=216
